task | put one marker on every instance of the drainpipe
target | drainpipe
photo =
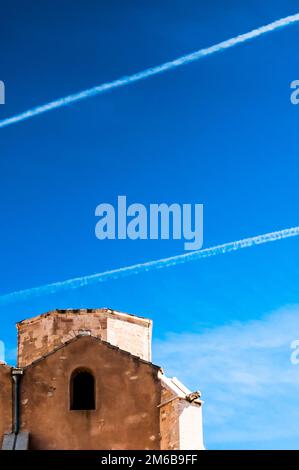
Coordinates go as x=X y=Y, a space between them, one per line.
x=16 y=376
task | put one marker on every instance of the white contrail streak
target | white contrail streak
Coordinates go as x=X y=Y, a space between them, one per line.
x=123 y=81
x=148 y=266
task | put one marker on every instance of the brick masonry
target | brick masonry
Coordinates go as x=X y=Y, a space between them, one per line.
x=137 y=406
x=39 y=335
x=5 y=400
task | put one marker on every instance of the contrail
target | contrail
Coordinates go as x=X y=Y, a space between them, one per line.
x=123 y=81
x=148 y=266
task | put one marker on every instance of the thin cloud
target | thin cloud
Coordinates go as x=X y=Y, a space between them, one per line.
x=248 y=383
x=158 y=69
x=148 y=266
x=2 y=351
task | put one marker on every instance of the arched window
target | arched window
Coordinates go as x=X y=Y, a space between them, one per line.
x=82 y=390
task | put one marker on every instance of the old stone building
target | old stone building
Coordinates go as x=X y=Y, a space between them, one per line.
x=85 y=380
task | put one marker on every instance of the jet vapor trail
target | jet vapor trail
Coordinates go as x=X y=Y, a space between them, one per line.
x=123 y=81
x=148 y=266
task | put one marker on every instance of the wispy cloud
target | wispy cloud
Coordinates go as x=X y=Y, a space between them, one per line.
x=249 y=385
x=158 y=69
x=7 y=355
x=148 y=266
x=2 y=351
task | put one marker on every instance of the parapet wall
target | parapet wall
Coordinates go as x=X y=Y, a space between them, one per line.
x=40 y=335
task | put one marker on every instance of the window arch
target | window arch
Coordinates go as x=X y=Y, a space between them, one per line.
x=82 y=390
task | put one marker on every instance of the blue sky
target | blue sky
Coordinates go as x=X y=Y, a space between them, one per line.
x=221 y=132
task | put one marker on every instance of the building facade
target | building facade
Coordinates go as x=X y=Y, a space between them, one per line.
x=85 y=381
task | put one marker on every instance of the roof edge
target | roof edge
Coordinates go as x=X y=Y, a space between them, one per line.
x=138 y=319
x=4 y=364
x=95 y=338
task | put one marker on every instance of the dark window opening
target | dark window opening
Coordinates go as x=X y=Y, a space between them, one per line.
x=82 y=391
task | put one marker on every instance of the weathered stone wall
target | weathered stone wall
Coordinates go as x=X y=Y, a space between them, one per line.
x=169 y=421
x=128 y=392
x=180 y=423
x=5 y=401
x=190 y=421
x=130 y=336
x=128 y=414
x=40 y=335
